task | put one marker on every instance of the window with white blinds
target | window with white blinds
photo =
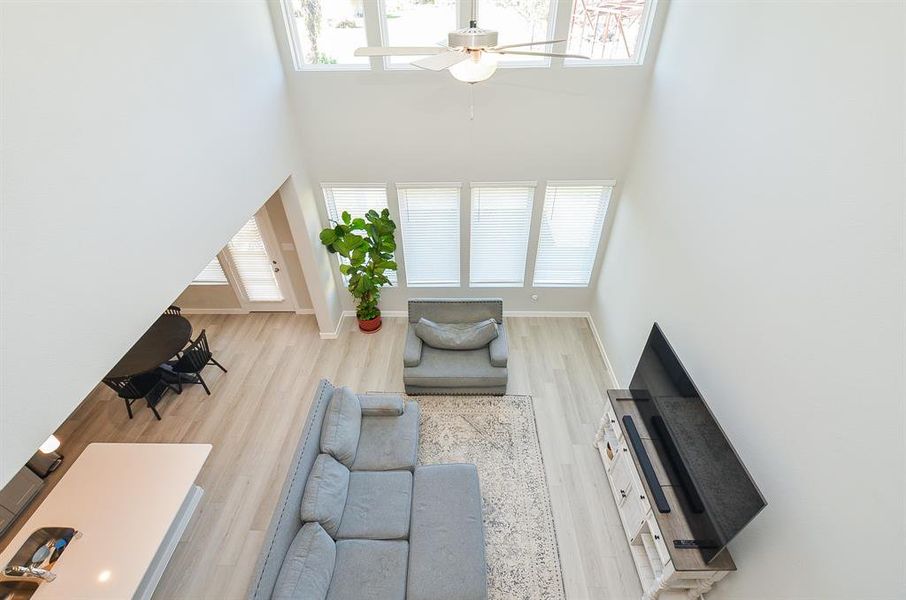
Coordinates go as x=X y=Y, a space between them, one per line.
x=253 y=265
x=429 y=218
x=212 y=274
x=356 y=200
x=501 y=218
x=571 y=224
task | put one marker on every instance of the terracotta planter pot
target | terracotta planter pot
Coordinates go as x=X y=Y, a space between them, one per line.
x=371 y=325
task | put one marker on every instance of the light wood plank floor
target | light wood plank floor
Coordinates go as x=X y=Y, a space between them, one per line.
x=256 y=412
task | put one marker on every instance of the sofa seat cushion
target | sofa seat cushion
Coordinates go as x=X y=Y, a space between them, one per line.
x=455 y=368
x=341 y=426
x=308 y=566
x=446 y=536
x=369 y=570
x=377 y=506
x=325 y=493
x=456 y=336
x=388 y=443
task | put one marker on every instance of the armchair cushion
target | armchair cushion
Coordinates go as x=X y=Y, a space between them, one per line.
x=412 y=353
x=462 y=369
x=342 y=426
x=381 y=405
x=456 y=336
x=308 y=566
x=325 y=494
x=498 y=348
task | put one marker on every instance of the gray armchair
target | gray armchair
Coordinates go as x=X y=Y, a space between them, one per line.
x=428 y=370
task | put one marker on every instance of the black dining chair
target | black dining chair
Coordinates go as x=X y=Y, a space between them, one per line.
x=150 y=386
x=173 y=310
x=192 y=360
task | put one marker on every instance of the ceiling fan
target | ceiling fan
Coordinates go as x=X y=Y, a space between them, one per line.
x=470 y=54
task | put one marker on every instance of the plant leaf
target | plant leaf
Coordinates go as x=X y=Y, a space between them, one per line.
x=328 y=236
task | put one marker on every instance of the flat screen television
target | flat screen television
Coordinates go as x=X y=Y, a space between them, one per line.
x=718 y=494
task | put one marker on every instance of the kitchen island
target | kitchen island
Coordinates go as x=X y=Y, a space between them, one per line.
x=131 y=504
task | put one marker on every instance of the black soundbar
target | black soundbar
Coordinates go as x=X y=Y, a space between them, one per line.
x=660 y=500
x=695 y=501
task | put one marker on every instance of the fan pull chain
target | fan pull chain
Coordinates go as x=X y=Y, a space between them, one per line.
x=471 y=101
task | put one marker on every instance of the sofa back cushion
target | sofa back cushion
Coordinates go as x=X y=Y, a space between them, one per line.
x=456 y=310
x=325 y=494
x=342 y=426
x=308 y=566
x=456 y=336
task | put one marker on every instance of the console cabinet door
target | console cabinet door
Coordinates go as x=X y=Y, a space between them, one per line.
x=16 y=495
x=658 y=538
x=621 y=478
x=626 y=492
x=633 y=512
x=6 y=519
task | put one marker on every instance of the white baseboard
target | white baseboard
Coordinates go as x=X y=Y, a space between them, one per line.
x=554 y=314
x=507 y=313
x=332 y=335
x=215 y=311
x=604 y=357
x=237 y=311
x=384 y=313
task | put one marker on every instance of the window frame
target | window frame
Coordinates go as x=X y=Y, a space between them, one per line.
x=376 y=35
x=641 y=43
x=226 y=279
x=295 y=45
x=528 y=62
x=402 y=226
x=368 y=186
x=599 y=239
x=533 y=185
x=386 y=61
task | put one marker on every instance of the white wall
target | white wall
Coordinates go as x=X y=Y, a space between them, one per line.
x=531 y=124
x=137 y=138
x=762 y=226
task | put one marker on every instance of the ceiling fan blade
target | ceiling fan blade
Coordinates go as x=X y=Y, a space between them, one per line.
x=554 y=54
x=527 y=44
x=439 y=62
x=398 y=51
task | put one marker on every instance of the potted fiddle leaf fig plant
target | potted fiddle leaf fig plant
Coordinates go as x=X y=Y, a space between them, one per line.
x=367 y=245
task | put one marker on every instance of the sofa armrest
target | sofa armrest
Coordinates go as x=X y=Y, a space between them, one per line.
x=412 y=353
x=498 y=348
x=381 y=405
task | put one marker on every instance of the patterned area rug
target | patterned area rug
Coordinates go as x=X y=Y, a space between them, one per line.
x=497 y=433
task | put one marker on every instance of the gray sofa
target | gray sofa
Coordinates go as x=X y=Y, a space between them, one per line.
x=358 y=518
x=428 y=370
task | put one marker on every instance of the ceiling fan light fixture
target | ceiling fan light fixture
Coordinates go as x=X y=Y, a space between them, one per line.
x=478 y=68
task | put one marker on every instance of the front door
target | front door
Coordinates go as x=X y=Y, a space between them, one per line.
x=254 y=266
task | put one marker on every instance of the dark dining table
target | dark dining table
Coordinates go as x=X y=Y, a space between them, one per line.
x=168 y=335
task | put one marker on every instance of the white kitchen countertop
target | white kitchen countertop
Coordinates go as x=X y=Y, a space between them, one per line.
x=123 y=498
